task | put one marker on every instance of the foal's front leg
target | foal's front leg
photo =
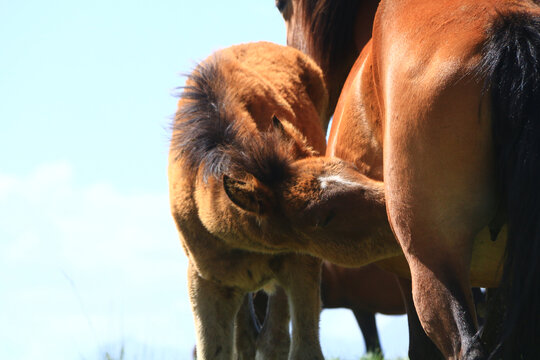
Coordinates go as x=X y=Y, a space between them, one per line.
x=300 y=277
x=214 y=309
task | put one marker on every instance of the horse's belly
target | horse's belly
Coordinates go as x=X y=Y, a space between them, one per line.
x=486 y=263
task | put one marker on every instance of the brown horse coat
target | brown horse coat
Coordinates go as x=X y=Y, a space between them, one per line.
x=453 y=160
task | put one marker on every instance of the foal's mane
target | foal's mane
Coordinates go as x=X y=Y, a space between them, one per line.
x=211 y=136
x=329 y=28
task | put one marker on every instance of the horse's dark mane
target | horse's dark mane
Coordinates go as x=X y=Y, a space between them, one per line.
x=329 y=28
x=208 y=133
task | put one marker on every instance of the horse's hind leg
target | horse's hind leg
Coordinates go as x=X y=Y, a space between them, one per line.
x=420 y=345
x=438 y=171
x=300 y=277
x=214 y=309
x=274 y=340
x=441 y=288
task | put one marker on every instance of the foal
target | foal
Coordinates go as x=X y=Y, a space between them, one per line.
x=224 y=119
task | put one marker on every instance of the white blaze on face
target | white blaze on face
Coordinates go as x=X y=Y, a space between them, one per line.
x=338 y=180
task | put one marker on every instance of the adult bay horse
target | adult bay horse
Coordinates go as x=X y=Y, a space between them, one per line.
x=224 y=119
x=333 y=32
x=443 y=105
x=454 y=160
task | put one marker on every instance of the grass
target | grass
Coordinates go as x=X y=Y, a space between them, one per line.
x=372 y=356
x=108 y=356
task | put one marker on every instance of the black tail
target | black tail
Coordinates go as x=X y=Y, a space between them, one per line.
x=512 y=64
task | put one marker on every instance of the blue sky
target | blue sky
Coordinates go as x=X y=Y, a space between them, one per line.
x=89 y=256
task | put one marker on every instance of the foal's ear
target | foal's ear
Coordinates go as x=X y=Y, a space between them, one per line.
x=278 y=125
x=288 y=131
x=248 y=194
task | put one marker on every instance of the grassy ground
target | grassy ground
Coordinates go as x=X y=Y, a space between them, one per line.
x=108 y=356
x=370 y=356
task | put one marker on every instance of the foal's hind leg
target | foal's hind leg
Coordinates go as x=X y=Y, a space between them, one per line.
x=214 y=309
x=245 y=331
x=274 y=340
x=300 y=277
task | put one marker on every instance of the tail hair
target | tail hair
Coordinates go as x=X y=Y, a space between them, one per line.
x=511 y=64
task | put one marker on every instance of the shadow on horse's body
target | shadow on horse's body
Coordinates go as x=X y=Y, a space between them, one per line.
x=365 y=291
x=444 y=106
x=224 y=121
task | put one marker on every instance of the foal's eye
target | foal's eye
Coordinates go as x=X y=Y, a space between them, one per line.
x=280 y=4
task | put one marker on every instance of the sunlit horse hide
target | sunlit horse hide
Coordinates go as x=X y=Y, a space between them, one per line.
x=226 y=124
x=443 y=105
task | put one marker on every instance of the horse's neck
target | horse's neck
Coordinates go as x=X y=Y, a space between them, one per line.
x=356 y=133
x=340 y=65
x=364 y=23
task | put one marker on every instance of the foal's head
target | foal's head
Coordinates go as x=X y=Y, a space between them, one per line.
x=257 y=184
x=317 y=205
x=266 y=190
